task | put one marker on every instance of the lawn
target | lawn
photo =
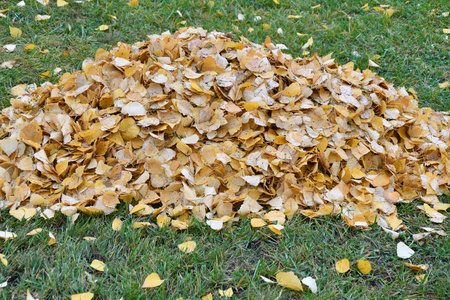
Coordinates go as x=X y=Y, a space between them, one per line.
x=405 y=39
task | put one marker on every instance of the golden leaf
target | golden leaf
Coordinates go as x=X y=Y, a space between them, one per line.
x=61 y=3
x=364 y=266
x=15 y=32
x=289 y=280
x=133 y=3
x=187 y=247
x=83 y=296
x=152 y=281
x=98 y=265
x=343 y=265
x=117 y=224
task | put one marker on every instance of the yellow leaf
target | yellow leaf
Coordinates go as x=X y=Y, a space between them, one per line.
x=34 y=232
x=376 y=56
x=113 y=17
x=133 y=3
x=294 y=17
x=257 y=222
x=45 y=74
x=289 y=280
x=227 y=293
x=3 y=259
x=15 y=32
x=325 y=26
x=187 y=247
x=446 y=30
x=277 y=2
x=389 y=12
x=41 y=17
x=103 y=27
x=422 y=278
x=152 y=281
x=364 y=266
x=266 y=26
x=357 y=173
x=98 y=265
x=276 y=228
x=141 y=224
x=83 y=296
x=316 y=6
x=89 y=238
x=163 y=221
x=251 y=29
x=417 y=268
x=208 y=297
x=61 y=3
x=29 y=47
x=29 y=296
x=443 y=85
x=117 y=224
x=52 y=240
x=377 y=8
x=365 y=7
x=301 y=34
x=250 y=106
x=343 y=265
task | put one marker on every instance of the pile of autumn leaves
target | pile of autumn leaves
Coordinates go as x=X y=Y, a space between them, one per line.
x=195 y=124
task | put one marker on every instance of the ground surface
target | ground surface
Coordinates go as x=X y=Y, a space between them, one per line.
x=413 y=52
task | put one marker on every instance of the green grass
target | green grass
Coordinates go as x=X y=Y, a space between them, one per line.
x=414 y=52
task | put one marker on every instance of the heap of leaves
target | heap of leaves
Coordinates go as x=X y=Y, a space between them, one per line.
x=196 y=124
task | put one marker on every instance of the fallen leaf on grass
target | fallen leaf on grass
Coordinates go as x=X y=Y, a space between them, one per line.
x=42 y=17
x=141 y=224
x=8 y=64
x=208 y=297
x=83 y=296
x=43 y=2
x=444 y=84
x=3 y=259
x=5 y=284
x=265 y=279
x=117 y=224
x=61 y=3
x=52 y=240
x=343 y=265
x=187 y=247
x=403 y=251
x=21 y=4
x=29 y=47
x=133 y=3
x=89 y=238
x=276 y=228
x=163 y=221
x=417 y=268
x=15 y=32
x=98 y=265
x=45 y=74
x=102 y=27
x=446 y=30
x=6 y=235
x=422 y=278
x=152 y=281
x=364 y=266
x=215 y=224
x=311 y=283
x=257 y=222
x=34 y=231
x=226 y=293
x=289 y=280
x=29 y=296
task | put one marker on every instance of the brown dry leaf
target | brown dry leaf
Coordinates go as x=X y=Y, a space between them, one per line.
x=289 y=280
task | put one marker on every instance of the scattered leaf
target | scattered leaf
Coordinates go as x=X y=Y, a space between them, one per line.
x=3 y=259
x=403 y=251
x=103 y=27
x=289 y=280
x=61 y=3
x=226 y=293
x=311 y=283
x=83 y=296
x=343 y=265
x=187 y=247
x=98 y=265
x=15 y=32
x=152 y=281
x=117 y=224
x=133 y=3
x=364 y=266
